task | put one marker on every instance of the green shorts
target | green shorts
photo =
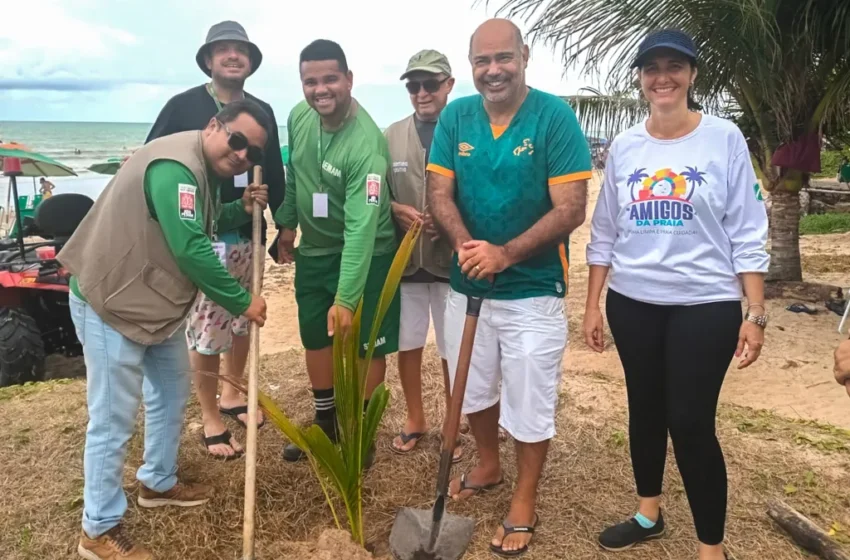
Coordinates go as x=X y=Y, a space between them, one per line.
x=316 y=280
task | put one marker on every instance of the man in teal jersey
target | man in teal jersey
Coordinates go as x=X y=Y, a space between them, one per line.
x=138 y=260
x=507 y=184
x=337 y=193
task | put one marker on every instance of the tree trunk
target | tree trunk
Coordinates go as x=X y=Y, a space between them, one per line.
x=785 y=237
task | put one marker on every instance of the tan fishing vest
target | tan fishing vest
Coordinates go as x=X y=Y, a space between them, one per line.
x=407 y=183
x=119 y=255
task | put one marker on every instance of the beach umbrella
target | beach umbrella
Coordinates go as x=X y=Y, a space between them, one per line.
x=33 y=164
x=108 y=167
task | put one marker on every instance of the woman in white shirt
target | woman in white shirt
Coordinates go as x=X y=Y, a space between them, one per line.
x=681 y=229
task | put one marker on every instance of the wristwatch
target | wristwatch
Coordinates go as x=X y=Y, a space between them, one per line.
x=760 y=320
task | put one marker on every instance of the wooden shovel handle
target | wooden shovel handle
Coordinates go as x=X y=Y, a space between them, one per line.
x=452 y=423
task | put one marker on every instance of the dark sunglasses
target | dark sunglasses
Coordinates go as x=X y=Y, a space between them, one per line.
x=238 y=142
x=431 y=85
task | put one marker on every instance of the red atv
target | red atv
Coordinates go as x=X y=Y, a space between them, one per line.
x=34 y=317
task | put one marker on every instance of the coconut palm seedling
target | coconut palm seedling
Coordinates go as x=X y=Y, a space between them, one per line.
x=339 y=466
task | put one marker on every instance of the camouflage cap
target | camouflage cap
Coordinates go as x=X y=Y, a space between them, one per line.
x=428 y=61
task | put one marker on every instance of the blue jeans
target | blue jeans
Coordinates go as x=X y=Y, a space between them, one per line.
x=120 y=374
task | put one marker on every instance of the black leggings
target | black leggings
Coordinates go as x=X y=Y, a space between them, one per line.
x=675 y=359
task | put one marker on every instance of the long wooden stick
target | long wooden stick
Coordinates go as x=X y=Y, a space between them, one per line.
x=804 y=532
x=253 y=374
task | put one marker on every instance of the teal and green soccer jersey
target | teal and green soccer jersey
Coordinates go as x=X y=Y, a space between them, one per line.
x=502 y=179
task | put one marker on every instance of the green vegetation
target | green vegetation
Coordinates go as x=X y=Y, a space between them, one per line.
x=829 y=162
x=814 y=224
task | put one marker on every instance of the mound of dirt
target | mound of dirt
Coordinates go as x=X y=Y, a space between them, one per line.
x=333 y=544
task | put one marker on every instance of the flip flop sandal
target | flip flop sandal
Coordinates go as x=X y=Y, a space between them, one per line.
x=236 y=411
x=221 y=439
x=457 y=458
x=405 y=439
x=510 y=530
x=475 y=488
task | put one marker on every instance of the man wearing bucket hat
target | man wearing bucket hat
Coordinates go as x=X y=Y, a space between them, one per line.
x=228 y=58
x=425 y=283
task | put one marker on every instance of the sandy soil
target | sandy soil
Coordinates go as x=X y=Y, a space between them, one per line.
x=793 y=376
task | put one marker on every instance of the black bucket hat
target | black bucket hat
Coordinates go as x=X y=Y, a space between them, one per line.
x=228 y=31
x=669 y=39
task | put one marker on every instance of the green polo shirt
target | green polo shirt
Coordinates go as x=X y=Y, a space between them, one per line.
x=502 y=177
x=349 y=168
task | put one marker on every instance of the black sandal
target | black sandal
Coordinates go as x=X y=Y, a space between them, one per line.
x=405 y=439
x=236 y=411
x=510 y=530
x=475 y=488
x=221 y=439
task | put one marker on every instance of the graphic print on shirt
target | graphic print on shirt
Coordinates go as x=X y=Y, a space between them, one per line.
x=187 y=201
x=663 y=199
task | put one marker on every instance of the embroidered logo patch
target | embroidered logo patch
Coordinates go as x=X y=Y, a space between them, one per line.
x=373 y=189
x=187 y=201
x=464 y=148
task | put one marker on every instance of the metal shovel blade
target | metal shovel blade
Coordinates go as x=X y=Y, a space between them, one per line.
x=410 y=536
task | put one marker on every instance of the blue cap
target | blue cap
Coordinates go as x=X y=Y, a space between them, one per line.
x=666 y=38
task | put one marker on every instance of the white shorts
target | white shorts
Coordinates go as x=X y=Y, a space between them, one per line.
x=519 y=344
x=420 y=302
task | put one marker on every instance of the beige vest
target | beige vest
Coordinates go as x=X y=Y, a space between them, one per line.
x=119 y=255
x=407 y=183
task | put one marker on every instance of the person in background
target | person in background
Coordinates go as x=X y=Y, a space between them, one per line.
x=844 y=173
x=337 y=193
x=46 y=187
x=681 y=229
x=426 y=279
x=842 y=365
x=229 y=58
x=507 y=184
x=137 y=261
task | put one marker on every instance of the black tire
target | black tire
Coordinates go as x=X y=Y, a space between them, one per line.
x=21 y=348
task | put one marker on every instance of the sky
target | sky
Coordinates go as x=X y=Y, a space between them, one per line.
x=121 y=60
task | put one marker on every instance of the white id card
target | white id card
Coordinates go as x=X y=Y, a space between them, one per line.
x=221 y=251
x=240 y=181
x=320 y=205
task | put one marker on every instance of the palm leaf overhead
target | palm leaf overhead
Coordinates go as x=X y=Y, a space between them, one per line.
x=780 y=68
x=607 y=114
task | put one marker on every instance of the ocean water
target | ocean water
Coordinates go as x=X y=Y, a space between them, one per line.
x=77 y=145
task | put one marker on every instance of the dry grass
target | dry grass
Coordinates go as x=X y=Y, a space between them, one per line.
x=587 y=482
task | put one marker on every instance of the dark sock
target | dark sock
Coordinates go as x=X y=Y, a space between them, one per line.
x=324 y=402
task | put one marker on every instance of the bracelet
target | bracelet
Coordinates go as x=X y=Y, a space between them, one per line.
x=755 y=305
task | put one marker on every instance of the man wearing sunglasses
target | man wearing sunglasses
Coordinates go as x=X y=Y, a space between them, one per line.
x=228 y=58
x=337 y=166
x=138 y=260
x=425 y=283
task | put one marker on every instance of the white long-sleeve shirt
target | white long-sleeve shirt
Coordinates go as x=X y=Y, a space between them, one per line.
x=677 y=220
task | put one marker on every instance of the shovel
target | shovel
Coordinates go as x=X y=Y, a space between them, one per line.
x=435 y=535
x=253 y=374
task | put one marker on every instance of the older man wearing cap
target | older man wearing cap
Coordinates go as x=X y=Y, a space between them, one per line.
x=425 y=282
x=228 y=57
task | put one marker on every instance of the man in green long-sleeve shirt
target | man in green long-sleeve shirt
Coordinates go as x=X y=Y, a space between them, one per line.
x=137 y=261
x=336 y=191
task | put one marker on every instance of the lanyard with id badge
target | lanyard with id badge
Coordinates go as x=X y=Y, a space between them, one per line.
x=320 y=199
x=239 y=181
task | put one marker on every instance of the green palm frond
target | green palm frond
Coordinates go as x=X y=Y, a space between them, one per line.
x=608 y=114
